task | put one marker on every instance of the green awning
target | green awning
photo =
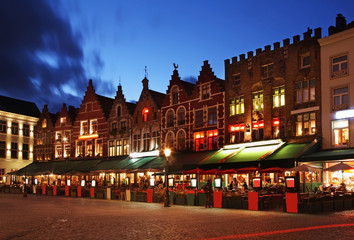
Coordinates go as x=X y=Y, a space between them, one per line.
x=251 y=154
x=84 y=166
x=110 y=165
x=219 y=156
x=159 y=163
x=138 y=162
x=329 y=155
x=291 y=150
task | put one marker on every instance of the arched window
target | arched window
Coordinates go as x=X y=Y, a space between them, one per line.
x=170 y=140
x=181 y=116
x=170 y=118
x=175 y=95
x=119 y=111
x=181 y=140
x=145 y=114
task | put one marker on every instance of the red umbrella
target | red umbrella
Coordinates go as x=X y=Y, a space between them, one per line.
x=227 y=171
x=247 y=169
x=339 y=167
x=272 y=170
x=210 y=172
x=194 y=171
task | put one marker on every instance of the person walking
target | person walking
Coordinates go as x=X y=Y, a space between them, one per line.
x=208 y=189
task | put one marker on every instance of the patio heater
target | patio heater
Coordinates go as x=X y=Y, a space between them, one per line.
x=167 y=152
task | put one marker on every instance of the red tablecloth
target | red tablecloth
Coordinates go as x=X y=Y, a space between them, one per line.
x=217 y=199
x=149 y=194
x=253 y=201
x=291 y=202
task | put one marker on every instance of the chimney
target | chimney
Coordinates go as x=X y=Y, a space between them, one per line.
x=307 y=35
x=227 y=61
x=340 y=21
x=318 y=32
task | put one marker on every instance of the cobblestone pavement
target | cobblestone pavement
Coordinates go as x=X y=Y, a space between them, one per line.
x=48 y=217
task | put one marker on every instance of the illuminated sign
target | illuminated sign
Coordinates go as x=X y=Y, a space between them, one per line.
x=193 y=182
x=90 y=136
x=82 y=183
x=276 y=122
x=68 y=182
x=152 y=182
x=344 y=114
x=218 y=182
x=257 y=182
x=238 y=127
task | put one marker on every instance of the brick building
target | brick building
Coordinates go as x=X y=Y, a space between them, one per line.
x=119 y=137
x=193 y=114
x=275 y=93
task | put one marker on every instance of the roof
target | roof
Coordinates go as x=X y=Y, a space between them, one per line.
x=188 y=86
x=157 y=96
x=106 y=104
x=131 y=107
x=18 y=106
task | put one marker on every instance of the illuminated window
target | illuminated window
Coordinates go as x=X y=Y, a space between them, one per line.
x=156 y=140
x=26 y=130
x=44 y=123
x=340 y=98
x=236 y=79
x=339 y=66
x=67 y=136
x=146 y=142
x=278 y=97
x=305 y=124
x=278 y=128
x=89 y=148
x=199 y=118
x=258 y=130
x=2 y=126
x=212 y=116
x=232 y=107
x=257 y=101
x=170 y=118
x=145 y=114
x=111 y=149
x=125 y=146
x=67 y=151
x=305 y=60
x=58 y=136
x=83 y=128
x=340 y=133
x=212 y=139
x=267 y=71
x=93 y=126
x=14 y=128
x=239 y=105
x=119 y=148
x=205 y=93
x=175 y=95
x=305 y=91
x=98 y=147
x=58 y=152
x=237 y=133
x=14 y=150
x=181 y=116
x=2 y=149
x=62 y=121
x=199 y=141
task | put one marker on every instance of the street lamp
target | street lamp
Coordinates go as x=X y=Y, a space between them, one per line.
x=167 y=152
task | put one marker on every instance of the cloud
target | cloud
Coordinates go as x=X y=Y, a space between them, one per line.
x=40 y=55
x=191 y=79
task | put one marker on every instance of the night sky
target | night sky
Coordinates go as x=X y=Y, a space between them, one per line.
x=49 y=49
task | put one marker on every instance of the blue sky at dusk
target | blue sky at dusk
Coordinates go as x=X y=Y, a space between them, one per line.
x=49 y=49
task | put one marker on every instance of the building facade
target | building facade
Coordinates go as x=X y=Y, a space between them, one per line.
x=18 y=119
x=275 y=93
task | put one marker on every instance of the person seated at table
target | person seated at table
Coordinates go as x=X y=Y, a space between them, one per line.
x=244 y=185
x=231 y=185
x=342 y=187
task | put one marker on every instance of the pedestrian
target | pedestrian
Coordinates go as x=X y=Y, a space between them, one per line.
x=208 y=189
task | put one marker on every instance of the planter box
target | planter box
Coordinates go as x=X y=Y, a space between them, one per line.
x=201 y=199
x=141 y=197
x=73 y=192
x=190 y=199
x=100 y=195
x=49 y=192
x=234 y=202
x=338 y=204
x=181 y=199
x=15 y=190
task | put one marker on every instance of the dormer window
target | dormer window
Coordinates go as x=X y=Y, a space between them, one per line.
x=145 y=114
x=175 y=95
x=62 y=121
x=44 y=123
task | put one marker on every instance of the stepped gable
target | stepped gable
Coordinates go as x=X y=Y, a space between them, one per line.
x=157 y=97
x=106 y=104
x=120 y=96
x=18 y=106
x=206 y=74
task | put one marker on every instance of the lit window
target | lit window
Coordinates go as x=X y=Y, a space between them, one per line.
x=83 y=128
x=267 y=71
x=305 y=60
x=340 y=133
x=156 y=140
x=111 y=149
x=237 y=133
x=205 y=91
x=58 y=136
x=257 y=130
x=63 y=121
x=119 y=148
x=98 y=147
x=305 y=91
x=145 y=114
x=80 y=147
x=339 y=66
x=89 y=148
x=278 y=97
x=305 y=124
x=125 y=146
x=340 y=98
x=278 y=128
x=257 y=101
x=44 y=123
x=212 y=139
x=199 y=141
x=93 y=126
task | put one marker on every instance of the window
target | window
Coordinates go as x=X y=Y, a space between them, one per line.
x=339 y=66
x=26 y=130
x=212 y=116
x=137 y=143
x=340 y=133
x=44 y=123
x=88 y=107
x=205 y=91
x=305 y=91
x=114 y=128
x=14 y=150
x=111 y=148
x=67 y=151
x=2 y=149
x=14 y=128
x=98 y=147
x=145 y=114
x=119 y=147
x=199 y=118
x=181 y=140
x=67 y=136
x=83 y=128
x=156 y=140
x=62 y=121
x=58 y=136
x=257 y=130
x=2 y=126
x=125 y=146
x=305 y=124
x=199 y=141
x=305 y=60
x=93 y=126
x=236 y=79
x=237 y=133
x=25 y=151
x=58 y=152
x=170 y=118
x=267 y=71
x=257 y=101
x=278 y=97
x=146 y=141
x=212 y=139
x=123 y=126
x=175 y=95
x=89 y=148
x=237 y=106
x=278 y=128
x=340 y=98
x=181 y=116
x=119 y=111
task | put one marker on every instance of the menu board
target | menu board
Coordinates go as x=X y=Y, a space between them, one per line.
x=218 y=182
x=290 y=182
x=256 y=182
x=193 y=182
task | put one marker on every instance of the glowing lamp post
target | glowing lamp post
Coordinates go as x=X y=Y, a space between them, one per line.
x=167 y=152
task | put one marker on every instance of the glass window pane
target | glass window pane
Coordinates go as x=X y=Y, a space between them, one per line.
x=306 y=95
x=336 y=100
x=345 y=99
